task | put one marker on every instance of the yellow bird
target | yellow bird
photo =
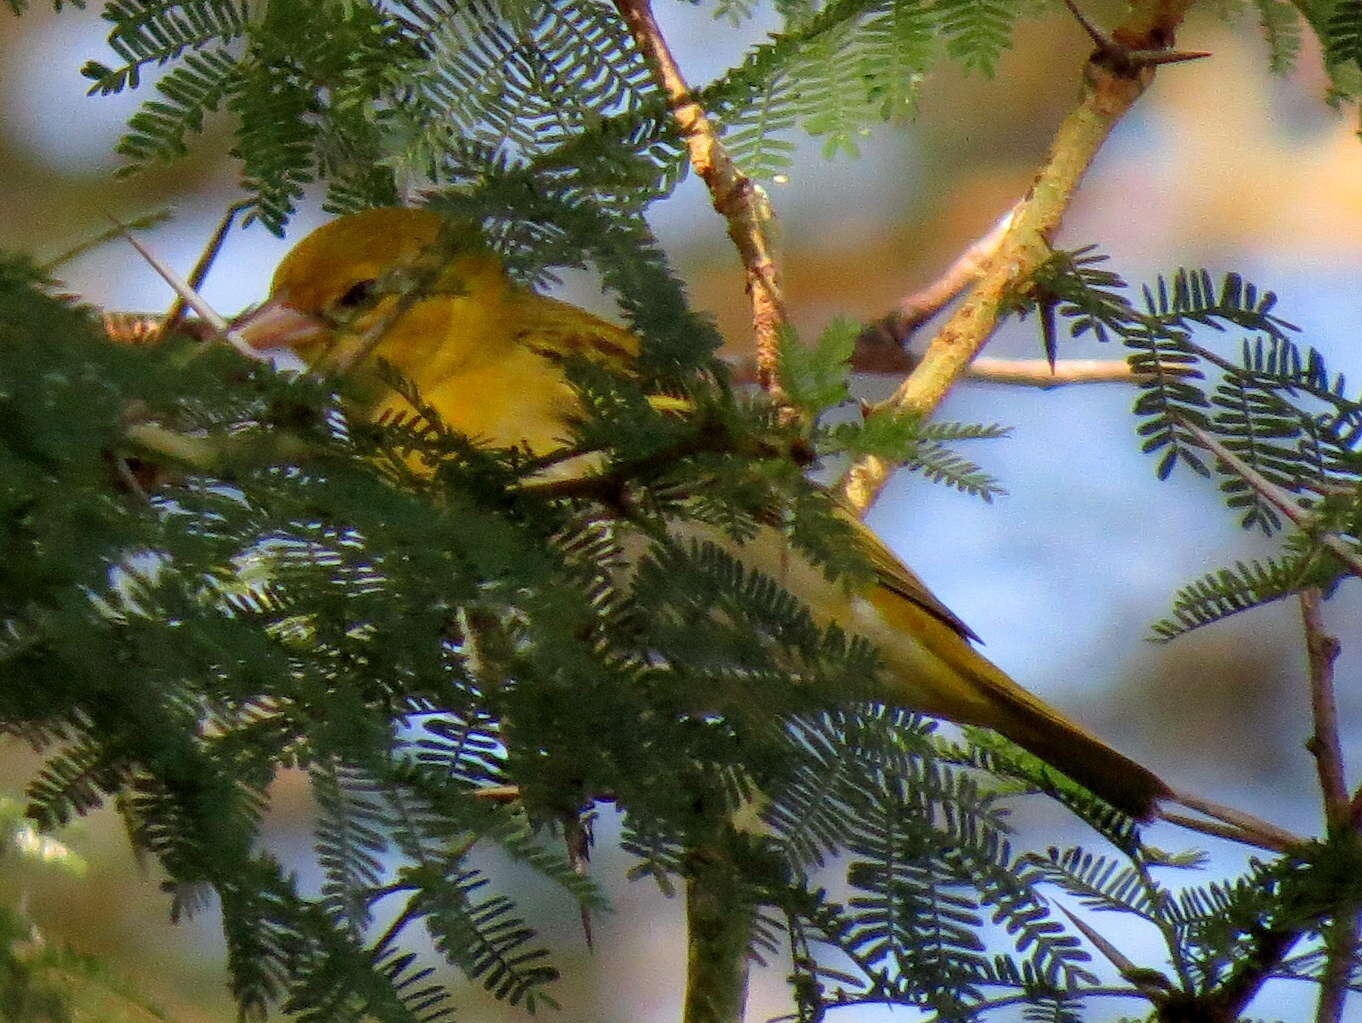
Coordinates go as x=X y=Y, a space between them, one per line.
x=488 y=354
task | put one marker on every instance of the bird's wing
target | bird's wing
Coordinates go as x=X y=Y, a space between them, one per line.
x=897 y=577
x=557 y=330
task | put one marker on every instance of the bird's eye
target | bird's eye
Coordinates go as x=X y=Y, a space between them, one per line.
x=356 y=295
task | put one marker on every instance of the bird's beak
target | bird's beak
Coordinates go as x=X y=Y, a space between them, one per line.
x=276 y=324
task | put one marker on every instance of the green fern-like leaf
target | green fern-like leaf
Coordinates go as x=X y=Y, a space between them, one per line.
x=1231 y=590
x=148 y=32
x=350 y=841
x=1343 y=33
x=275 y=145
x=1101 y=882
x=976 y=31
x=485 y=939
x=832 y=93
x=898 y=46
x=1281 y=27
x=197 y=87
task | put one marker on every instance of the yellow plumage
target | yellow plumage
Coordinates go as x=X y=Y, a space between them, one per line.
x=488 y=355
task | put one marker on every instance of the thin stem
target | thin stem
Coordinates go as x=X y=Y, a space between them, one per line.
x=1276 y=496
x=736 y=197
x=200 y=272
x=1038 y=372
x=348 y=350
x=1341 y=938
x=409 y=913
x=1157 y=897
x=1322 y=650
x=194 y=300
x=880 y=359
x=1245 y=822
x=1108 y=93
x=1229 y=832
x=498 y=793
x=919 y=307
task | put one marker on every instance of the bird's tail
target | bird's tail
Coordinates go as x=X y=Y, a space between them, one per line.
x=1086 y=759
x=933 y=669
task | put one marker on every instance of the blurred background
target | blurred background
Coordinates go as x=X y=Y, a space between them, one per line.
x=1220 y=165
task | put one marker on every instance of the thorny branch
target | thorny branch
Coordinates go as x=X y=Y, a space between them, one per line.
x=1322 y=650
x=1110 y=89
x=736 y=197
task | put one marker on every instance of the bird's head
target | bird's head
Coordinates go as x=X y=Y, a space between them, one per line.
x=350 y=274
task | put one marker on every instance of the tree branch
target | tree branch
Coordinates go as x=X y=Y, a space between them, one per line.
x=919 y=307
x=736 y=197
x=1276 y=496
x=719 y=917
x=1322 y=650
x=1341 y=937
x=1270 y=840
x=1039 y=372
x=1108 y=92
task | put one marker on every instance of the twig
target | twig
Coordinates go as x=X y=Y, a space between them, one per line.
x=339 y=362
x=887 y=360
x=1108 y=92
x=1229 y=832
x=200 y=272
x=1334 y=984
x=498 y=793
x=195 y=301
x=1322 y=650
x=1342 y=945
x=1038 y=372
x=1275 y=496
x=738 y=199
x=923 y=304
x=1269 y=835
x=129 y=479
x=410 y=285
x=218 y=453
x=409 y=913
x=719 y=917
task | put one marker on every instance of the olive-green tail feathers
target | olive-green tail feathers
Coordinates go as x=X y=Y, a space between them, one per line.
x=933 y=668
x=1114 y=777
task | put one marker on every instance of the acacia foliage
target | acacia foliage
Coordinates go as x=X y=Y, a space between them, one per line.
x=278 y=590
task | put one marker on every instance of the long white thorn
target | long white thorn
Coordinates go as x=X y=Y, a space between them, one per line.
x=194 y=300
